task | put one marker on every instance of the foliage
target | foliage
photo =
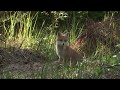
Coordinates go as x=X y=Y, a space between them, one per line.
x=36 y=31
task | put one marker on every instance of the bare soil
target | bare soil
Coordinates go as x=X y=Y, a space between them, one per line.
x=21 y=60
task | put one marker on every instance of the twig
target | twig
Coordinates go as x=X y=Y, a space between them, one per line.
x=111 y=66
x=21 y=44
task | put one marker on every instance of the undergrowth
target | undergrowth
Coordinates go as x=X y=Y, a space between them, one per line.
x=42 y=39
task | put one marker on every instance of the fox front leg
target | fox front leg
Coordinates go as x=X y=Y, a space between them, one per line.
x=60 y=59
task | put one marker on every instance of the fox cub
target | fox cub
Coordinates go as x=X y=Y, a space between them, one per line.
x=65 y=52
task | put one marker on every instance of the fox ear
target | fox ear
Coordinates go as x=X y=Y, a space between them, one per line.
x=59 y=33
x=67 y=34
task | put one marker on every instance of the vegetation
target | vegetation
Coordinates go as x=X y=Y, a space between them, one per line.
x=27 y=44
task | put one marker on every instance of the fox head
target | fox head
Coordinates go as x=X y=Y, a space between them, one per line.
x=62 y=39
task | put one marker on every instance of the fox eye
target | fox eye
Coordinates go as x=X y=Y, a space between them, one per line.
x=60 y=39
x=65 y=40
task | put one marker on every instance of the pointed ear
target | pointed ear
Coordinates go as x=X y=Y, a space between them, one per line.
x=67 y=34
x=59 y=33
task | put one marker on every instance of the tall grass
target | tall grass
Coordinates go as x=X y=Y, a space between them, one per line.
x=43 y=40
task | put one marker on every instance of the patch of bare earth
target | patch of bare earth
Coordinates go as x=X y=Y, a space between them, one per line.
x=22 y=61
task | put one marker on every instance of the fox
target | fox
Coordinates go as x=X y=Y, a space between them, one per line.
x=64 y=51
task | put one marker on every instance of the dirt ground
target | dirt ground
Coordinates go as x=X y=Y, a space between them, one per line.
x=24 y=61
x=27 y=61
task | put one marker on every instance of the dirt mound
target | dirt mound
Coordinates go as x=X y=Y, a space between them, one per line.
x=22 y=60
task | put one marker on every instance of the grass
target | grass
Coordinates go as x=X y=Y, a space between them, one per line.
x=43 y=40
